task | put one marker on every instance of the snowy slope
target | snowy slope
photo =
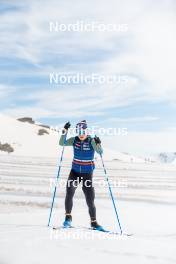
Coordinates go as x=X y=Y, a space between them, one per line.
x=145 y=197
x=29 y=240
x=24 y=138
x=146 y=208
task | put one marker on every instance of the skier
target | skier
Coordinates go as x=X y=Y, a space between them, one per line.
x=83 y=165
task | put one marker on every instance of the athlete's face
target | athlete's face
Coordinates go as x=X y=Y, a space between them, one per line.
x=82 y=137
x=82 y=133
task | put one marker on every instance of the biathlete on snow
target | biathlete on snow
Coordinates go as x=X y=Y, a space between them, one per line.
x=84 y=147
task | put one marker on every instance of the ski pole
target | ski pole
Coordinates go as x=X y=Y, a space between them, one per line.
x=57 y=178
x=111 y=194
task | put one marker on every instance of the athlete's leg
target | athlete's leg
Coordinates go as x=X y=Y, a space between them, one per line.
x=72 y=184
x=89 y=193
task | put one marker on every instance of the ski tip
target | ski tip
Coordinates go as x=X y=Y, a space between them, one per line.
x=61 y=227
x=119 y=234
x=126 y=234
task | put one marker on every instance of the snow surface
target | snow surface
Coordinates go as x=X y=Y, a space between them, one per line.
x=145 y=197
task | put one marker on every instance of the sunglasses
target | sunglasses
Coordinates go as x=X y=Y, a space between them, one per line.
x=81 y=131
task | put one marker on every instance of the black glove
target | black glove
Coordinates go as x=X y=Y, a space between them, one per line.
x=67 y=125
x=97 y=140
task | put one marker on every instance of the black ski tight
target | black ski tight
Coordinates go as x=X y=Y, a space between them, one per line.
x=72 y=183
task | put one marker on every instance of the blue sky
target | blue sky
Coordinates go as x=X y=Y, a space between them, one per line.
x=145 y=53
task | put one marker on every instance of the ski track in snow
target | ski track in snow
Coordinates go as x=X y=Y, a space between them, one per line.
x=146 y=209
x=27 y=179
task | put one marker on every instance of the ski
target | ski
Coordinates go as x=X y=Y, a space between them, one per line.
x=62 y=227
x=107 y=231
x=91 y=229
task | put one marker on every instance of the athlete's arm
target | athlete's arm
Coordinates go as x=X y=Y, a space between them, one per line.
x=96 y=147
x=62 y=141
x=68 y=142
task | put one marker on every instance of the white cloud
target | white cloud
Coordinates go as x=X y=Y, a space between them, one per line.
x=134 y=119
x=143 y=142
x=149 y=51
x=38 y=112
x=146 y=53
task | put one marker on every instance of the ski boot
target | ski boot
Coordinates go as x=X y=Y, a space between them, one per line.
x=68 y=221
x=96 y=226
